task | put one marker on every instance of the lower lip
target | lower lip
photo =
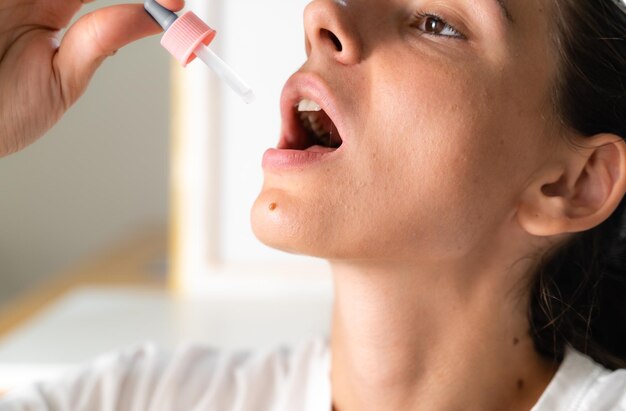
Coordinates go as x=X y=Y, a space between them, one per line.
x=289 y=159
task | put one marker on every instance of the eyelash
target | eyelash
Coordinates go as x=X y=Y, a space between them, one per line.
x=420 y=17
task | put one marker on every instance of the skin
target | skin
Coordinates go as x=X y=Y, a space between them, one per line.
x=454 y=176
x=41 y=73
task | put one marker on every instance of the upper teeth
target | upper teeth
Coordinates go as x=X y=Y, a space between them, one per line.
x=308 y=105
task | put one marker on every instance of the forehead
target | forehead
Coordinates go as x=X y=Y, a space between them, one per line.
x=504 y=9
x=513 y=10
x=528 y=9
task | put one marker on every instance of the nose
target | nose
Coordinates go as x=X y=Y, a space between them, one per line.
x=330 y=32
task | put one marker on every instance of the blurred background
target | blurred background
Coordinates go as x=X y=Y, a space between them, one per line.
x=98 y=176
x=129 y=221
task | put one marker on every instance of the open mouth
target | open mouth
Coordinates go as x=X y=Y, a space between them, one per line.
x=316 y=131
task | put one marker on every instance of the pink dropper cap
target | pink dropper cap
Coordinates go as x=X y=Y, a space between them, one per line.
x=185 y=35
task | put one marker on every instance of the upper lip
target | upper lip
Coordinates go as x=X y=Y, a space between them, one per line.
x=304 y=85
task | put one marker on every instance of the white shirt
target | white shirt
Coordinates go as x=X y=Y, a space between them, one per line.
x=581 y=384
x=193 y=378
x=196 y=378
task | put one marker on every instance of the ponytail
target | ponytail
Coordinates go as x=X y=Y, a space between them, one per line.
x=578 y=294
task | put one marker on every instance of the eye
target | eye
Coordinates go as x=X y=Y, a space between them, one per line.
x=435 y=26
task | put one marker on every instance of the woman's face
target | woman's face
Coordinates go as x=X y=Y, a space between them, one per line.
x=443 y=111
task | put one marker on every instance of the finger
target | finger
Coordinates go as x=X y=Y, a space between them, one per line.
x=174 y=5
x=94 y=37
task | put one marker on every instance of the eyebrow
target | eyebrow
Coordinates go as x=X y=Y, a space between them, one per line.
x=505 y=10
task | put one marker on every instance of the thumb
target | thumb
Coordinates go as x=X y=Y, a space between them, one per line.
x=94 y=37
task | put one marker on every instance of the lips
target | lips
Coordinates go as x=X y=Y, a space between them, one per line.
x=310 y=126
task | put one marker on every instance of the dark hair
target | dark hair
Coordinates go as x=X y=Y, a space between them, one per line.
x=578 y=295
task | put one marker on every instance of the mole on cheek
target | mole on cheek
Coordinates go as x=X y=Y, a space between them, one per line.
x=273 y=206
x=515 y=341
x=520 y=384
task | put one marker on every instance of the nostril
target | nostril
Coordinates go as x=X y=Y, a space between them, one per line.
x=333 y=38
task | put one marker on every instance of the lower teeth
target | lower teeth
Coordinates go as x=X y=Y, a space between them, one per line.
x=316 y=135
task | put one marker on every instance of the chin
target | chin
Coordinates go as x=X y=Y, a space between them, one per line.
x=281 y=222
x=271 y=225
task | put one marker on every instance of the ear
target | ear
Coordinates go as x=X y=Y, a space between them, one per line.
x=578 y=194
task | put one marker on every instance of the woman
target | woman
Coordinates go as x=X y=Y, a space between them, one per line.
x=461 y=164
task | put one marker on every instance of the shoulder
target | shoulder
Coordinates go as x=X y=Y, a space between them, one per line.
x=581 y=384
x=606 y=392
x=143 y=377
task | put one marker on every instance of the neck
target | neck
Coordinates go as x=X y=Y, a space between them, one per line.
x=408 y=337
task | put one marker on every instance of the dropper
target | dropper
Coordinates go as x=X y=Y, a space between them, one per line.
x=187 y=37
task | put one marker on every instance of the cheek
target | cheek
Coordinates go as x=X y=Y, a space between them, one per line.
x=429 y=156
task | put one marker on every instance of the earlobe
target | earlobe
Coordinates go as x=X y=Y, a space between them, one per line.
x=580 y=193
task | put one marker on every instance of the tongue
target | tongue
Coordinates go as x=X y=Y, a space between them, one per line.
x=320 y=149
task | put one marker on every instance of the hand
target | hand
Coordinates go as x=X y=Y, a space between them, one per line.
x=42 y=75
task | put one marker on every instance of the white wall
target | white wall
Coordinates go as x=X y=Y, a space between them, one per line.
x=99 y=175
x=265 y=41
x=224 y=141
